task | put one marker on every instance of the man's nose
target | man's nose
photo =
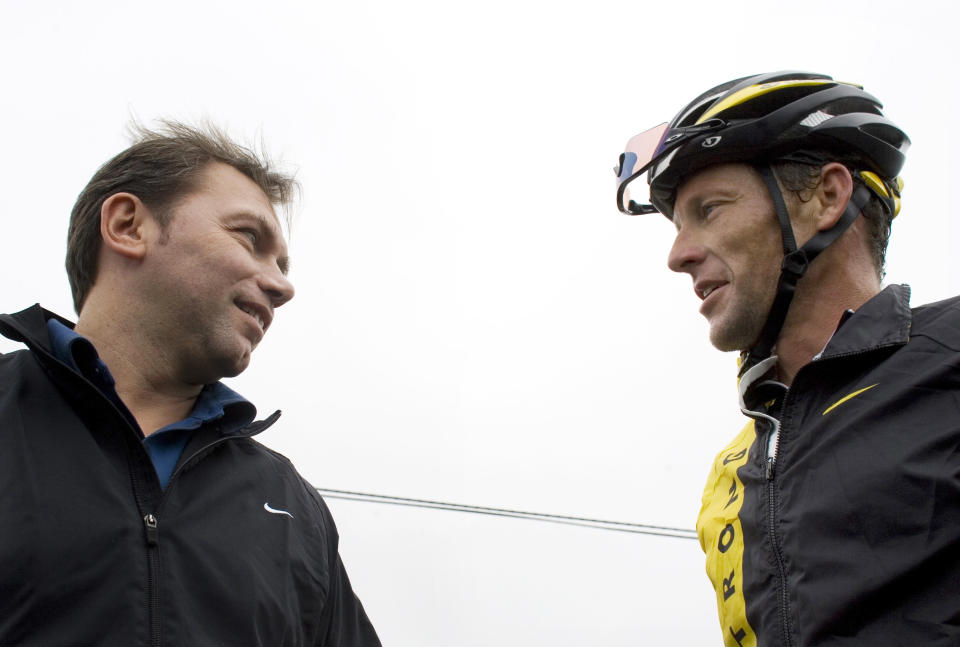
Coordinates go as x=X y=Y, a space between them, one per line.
x=277 y=286
x=686 y=252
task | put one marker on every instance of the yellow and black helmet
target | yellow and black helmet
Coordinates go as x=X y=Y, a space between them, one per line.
x=763 y=118
x=759 y=120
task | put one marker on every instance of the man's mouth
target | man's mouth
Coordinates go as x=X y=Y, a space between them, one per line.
x=706 y=289
x=255 y=313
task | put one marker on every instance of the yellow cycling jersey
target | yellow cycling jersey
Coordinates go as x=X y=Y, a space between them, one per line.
x=721 y=538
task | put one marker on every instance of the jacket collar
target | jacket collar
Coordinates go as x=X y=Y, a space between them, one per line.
x=881 y=322
x=29 y=326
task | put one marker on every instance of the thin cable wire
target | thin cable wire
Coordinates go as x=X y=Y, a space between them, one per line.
x=600 y=524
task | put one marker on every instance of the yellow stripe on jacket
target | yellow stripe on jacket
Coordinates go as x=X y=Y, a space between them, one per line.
x=721 y=537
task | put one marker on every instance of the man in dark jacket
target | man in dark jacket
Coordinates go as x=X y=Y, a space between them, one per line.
x=137 y=508
x=832 y=518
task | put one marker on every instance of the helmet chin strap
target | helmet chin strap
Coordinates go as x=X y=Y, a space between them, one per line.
x=795 y=262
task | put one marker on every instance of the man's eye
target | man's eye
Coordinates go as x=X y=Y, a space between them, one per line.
x=250 y=235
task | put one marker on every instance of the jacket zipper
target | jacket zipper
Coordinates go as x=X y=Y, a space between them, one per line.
x=783 y=600
x=153 y=579
x=152 y=538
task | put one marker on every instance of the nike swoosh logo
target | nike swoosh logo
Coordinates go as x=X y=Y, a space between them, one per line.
x=845 y=398
x=266 y=506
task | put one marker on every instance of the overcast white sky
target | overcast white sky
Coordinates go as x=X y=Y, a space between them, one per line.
x=474 y=320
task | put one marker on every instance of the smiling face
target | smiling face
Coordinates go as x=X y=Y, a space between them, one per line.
x=215 y=276
x=729 y=242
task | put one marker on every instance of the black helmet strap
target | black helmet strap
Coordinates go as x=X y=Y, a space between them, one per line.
x=795 y=261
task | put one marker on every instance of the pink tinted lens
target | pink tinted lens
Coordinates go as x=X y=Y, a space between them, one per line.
x=642 y=147
x=638 y=153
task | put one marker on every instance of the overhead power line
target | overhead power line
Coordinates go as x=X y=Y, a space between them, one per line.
x=600 y=524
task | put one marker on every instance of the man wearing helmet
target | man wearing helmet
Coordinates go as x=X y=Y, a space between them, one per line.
x=832 y=517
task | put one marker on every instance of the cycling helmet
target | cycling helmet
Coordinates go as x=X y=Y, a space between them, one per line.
x=758 y=120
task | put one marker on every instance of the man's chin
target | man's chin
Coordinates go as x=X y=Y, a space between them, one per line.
x=239 y=366
x=725 y=347
x=728 y=341
x=228 y=365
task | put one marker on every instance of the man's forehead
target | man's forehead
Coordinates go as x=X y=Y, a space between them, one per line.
x=238 y=190
x=221 y=177
x=724 y=178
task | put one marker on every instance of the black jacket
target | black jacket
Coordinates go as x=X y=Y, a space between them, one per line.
x=852 y=536
x=94 y=552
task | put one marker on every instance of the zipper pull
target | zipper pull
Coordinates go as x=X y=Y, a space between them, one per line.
x=150 y=523
x=773 y=446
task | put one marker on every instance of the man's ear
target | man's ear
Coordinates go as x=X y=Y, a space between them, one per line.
x=126 y=225
x=833 y=193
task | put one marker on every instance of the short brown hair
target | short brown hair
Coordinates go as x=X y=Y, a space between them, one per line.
x=800 y=178
x=161 y=166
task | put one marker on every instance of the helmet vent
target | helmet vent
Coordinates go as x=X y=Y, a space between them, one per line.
x=815 y=119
